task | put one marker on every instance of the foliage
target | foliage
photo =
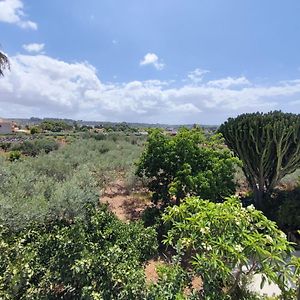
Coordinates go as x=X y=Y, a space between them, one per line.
x=268 y=145
x=4 y=63
x=55 y=126
x=35 y=147
x=171 y=285
x=98 y=257
x=225 y=244
x=5 y=145
x=187 y=164
x=34 y=130
x=286 y=212
x=60 y=183
x=14 y=155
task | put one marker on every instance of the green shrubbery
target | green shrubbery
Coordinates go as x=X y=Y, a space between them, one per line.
x=225 y=244
x=97 y=257
x=35 y=147
x=188 y=164
x=61 y=182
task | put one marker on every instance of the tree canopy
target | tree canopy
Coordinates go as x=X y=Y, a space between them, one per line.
x=189 y=163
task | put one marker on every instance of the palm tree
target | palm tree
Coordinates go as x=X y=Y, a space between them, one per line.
x=4 y=63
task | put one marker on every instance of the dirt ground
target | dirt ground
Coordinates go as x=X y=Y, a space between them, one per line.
x=129 y=206
x=126 y=205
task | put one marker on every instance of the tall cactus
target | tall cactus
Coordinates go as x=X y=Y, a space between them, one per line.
x=267 y=144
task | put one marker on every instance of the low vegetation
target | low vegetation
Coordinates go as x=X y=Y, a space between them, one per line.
x=59 y=241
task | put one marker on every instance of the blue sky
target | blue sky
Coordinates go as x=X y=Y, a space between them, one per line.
x=169 y=61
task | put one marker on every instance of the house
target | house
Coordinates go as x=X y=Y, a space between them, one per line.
x=6 y=127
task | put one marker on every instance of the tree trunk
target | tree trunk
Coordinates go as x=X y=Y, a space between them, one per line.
x=258 y=197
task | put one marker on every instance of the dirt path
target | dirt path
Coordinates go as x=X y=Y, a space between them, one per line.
x=129 y=207
x=126 y=206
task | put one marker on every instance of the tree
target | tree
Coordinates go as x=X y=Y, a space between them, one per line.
x=4 y=63
x=225 y=244
x=187 y=164
x=267 y=144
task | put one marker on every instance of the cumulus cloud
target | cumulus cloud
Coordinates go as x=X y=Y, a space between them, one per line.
x=152 y=59
x=34 y=47
x=196 y=76
x=39 y=85
x=11 y=11
x=225 y=83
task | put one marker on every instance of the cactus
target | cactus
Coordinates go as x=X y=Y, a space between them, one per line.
x=267 y=144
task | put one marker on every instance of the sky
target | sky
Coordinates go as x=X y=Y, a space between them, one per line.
x=158 y=61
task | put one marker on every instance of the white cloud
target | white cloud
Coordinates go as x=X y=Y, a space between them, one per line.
x=39 y=85
x=152 y=59
x=11 y=11
x=34 y=47
x=225 y=83
x=196 y=76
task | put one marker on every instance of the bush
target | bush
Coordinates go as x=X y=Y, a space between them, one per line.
x=60 y=183
x=35 y=147
x=226 y=244
x=5 y=145
x=14 y=155
x=96 y=258
x=187 y=164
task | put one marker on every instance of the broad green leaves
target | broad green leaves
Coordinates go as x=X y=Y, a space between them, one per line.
x=225 y=244
x=96 y=257
x=188 y=164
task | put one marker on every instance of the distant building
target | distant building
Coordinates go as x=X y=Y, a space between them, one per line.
x=6 y=127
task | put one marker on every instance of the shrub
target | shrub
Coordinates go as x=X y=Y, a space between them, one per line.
x=96 y=258
x=14 y=155
x=35 y=147
x=225 y=244
x=187 y=164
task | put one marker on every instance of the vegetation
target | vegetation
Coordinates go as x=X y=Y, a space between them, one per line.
x=57 y=241
x=4 y=63
x=225 y=244
x=96 y=258
x=35 y=147
x=60 y=183
x=267 y=144
x=55 y=126
x=187 y=164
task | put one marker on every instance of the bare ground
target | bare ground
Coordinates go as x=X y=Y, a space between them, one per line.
x=126 y=205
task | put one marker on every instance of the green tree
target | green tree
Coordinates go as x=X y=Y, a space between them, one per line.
x=4 y=63
x=187 y=164
x=55 y=126
x=267 y=144
x=226 y=244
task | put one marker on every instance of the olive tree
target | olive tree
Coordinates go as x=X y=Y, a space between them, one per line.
x=187 y=164
x=267 y=144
